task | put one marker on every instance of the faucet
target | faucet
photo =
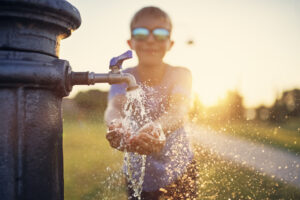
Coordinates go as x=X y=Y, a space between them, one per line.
x=114 y=76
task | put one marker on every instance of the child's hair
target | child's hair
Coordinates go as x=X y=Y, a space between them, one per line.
x=150 y=11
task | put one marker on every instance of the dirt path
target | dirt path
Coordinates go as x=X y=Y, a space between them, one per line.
x=274 y=162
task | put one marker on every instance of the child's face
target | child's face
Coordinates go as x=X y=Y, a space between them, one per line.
x=150 y=51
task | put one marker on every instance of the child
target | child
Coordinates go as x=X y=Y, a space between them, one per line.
x=170 y=168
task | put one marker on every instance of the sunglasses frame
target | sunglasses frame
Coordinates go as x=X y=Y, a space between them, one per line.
x=151 y=31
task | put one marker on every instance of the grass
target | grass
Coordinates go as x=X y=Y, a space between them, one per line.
x=221 y=179
x=285 y=135
x=92 y=170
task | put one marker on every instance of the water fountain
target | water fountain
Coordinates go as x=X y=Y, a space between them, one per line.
x=33 y=81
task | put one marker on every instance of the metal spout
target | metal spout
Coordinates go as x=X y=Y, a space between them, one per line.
x=90 y=78
x=115 y=76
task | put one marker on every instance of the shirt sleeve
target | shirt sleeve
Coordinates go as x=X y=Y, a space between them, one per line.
x=117 y=89
x=182 y=83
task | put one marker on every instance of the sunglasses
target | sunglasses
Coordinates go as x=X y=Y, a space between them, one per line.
x=141 y=34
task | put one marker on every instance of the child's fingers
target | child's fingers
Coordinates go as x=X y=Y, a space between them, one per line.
x=145 y=145
x=152 y=131
x=150 y=138
x=138 y=145
x=148 y=128
x=114 y=139
x=143 y=149
x=146 y=138
x=114 y=125
x=110 y=135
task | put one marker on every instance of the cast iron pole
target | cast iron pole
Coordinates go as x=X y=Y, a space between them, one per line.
x=33 y=81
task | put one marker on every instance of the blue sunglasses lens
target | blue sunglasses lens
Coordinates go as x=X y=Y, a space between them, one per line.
x=160 y=34
x=140 y=33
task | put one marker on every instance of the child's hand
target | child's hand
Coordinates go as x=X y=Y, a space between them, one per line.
x=149 y=139
x=117 y=135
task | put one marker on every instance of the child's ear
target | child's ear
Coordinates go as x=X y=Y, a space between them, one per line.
x=129 y=42
x=171 y=43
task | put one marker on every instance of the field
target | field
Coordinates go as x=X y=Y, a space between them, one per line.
x=92 y=170
x=284 y=135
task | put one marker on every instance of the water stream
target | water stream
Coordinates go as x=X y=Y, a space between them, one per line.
x=135 y=116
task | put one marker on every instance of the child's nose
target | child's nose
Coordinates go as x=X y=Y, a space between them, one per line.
x=151 y=38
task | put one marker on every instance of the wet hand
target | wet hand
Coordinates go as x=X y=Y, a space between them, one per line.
x=117 y=135
x=149 y=139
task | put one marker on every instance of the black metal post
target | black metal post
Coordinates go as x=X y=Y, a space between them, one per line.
x=33 y=81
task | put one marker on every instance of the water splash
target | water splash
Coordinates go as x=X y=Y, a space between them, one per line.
x=135 y=116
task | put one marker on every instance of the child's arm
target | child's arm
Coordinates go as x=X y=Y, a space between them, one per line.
x=112 y=116
x=114 y=109
x=176 y=115
x=179 y=101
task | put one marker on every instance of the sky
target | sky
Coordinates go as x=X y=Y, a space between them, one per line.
x=252 y=46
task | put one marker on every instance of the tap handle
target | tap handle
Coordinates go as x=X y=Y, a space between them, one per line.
x=117 y=61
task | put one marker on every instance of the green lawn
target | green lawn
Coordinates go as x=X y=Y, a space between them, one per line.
x=221 y=179
x=285 y=135
x=92 y=170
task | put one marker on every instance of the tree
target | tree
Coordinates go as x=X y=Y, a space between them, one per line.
x=196 y=111
x=232 y=108
x=92 y=102
x=286 y=106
